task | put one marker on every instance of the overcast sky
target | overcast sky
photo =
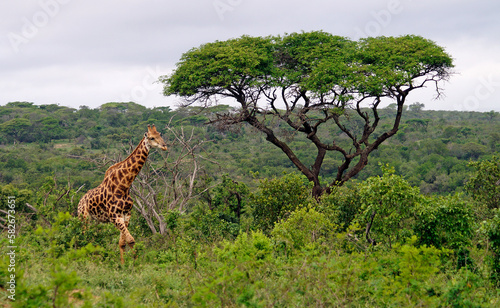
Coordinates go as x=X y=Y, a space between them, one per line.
x=76 y=52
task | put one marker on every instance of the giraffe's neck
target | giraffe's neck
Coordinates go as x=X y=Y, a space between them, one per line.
x=122 y=174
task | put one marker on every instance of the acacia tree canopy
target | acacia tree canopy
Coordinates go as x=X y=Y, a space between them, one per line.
x=307 y=80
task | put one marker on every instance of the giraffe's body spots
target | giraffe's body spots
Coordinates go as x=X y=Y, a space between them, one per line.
x=111 y=201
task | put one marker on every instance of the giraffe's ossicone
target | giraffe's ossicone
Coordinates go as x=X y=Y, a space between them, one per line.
x=111 y=201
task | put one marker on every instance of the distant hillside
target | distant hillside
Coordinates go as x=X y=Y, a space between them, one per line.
x=431 y=149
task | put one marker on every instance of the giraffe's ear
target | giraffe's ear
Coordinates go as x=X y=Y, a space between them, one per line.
x=146 y=135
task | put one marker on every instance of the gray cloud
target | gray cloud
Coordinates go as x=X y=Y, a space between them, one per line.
x=76 y=52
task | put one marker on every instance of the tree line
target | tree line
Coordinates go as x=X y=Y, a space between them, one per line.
x=431 y=149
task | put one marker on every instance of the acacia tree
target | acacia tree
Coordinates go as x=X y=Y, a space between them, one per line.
x=308 y=80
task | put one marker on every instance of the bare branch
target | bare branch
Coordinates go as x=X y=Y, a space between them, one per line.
x=173 y=184
x=31 y=207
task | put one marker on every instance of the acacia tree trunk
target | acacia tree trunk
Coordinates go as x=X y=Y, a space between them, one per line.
x=360 y=150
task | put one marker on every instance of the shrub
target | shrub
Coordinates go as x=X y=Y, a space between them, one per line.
x=277 y=198
x=388 y=206
x=241 y=266
x=493 y=233
x=248 y=247
x=230 y=197
x=205 y=225
x=445 y=222
x=413 y=284
x=68 y=232
x=484 y=186
x=341 y=205
x=304 y=228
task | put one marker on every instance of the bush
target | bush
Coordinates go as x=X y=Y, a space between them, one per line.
x=415 y=282
x=341 y=205
x=205 y=225
x=230 y=197
x=445 y=222
x=493 y=233
x=277 y=198
x=248 y=247
x=304 y=228
x=388 y=206
x=241 y=267
x=484 y=186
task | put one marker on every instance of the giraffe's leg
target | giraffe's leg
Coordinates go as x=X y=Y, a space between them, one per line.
x=122 y=244
x=125 y=236
x=127 y=220
x=130 y=244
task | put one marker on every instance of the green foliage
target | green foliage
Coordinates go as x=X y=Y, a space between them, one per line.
x=341 y=205
x=388 y=205
x=15 y=128
x=69 y=238
x=305 y=228
x=416 y=269
x=493 y=233
x=398 y=60
x=205 y=225
x=277 y=198
x=242 y=262
x=62 y=286
x=247 y=247
x=317 y=61
x=22 y=196
x=59 y=292
x=484 y=186
x=445 y=222
x=244 y=271
x=230 y=197
x=246 y=56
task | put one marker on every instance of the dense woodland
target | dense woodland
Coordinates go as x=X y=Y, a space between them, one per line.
x=224 y=218
x=431 y=149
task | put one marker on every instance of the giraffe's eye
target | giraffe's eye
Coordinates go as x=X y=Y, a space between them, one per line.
x=152 y=138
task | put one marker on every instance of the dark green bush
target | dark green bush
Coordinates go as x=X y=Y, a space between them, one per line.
x=276 y=199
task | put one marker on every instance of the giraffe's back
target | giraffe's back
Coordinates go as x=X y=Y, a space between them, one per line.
x=94 y=204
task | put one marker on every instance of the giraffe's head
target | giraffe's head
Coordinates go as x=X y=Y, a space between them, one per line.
x=153 y=139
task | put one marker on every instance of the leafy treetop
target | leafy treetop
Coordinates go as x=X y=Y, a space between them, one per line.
x=308 y=79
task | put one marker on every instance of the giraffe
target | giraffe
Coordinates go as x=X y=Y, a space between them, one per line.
x=111 y=201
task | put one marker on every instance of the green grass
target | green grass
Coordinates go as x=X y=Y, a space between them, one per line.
x=246 y=272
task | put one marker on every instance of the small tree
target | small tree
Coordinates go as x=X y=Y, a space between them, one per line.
x=307 y=80
x=417 y=107
x=277 y=198
x=230 y=197
x=388 y=208
x=484 y=186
